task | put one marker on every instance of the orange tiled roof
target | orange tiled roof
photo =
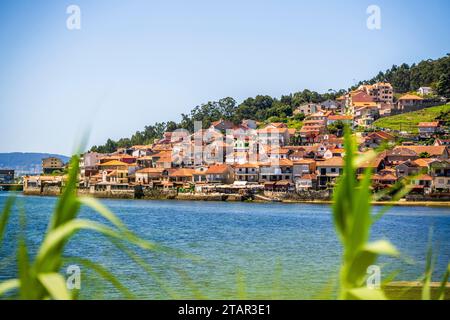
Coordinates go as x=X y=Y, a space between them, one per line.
x=332 y=162
x=114 y=163
x=410 y=97
x=217 y=169
x=431 y=150
x=340 y=117
x=428 y=124
x=183 y=172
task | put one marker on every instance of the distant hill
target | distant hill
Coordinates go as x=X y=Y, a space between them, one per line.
x=26 y=162
x=409 y=121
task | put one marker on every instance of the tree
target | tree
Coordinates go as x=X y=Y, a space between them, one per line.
x=336 y=127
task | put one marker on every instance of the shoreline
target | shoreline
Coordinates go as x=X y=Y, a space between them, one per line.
x=215 y=198
x=384 y=203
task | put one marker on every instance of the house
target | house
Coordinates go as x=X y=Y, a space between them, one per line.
x=360 y=98
x=117 y=176
x=149 y=176
x=376 y=164
x=399 y=154
x=408 y=168
x=365 y=115
x=409 y=102
x=279 y=186
x=312 y=128
x=251 y=124
x=34 y=182
x=384 y=178
x=328 y=170
x=306 y=181
x=140 y=151
x=380 y=92
x=275 y=125
x=182 y=176
x=421 y=184
x=347 y=119
x=307 y=109
x=376 y=139
x=122 y=157
x=114 y=165
x=89 y=165
x=273 y=136
x=220 y=173
x=442 y=142
x=428 y=129
x=277 y=153
x=163 y=161
x=302 y=167
x=330 y=105
x=199 y=175
x=6 y=176
x=276 y=170
x=52 y=164
x=333 y=152
x=222 y=125
x=440 y=152
x=423 y=91
x=246 y=172
x=440 y=171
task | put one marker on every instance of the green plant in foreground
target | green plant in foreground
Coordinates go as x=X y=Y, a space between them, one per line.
x=40 y=278
x=353 y=220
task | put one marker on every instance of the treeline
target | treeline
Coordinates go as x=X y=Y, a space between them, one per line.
x=259 y=108
x=427 y=73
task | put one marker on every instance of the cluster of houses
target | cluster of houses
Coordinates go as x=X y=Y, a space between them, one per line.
x=361 y=107
x=271 y=157
x=283 y=168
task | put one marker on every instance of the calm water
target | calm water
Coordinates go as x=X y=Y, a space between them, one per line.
x=278 y=250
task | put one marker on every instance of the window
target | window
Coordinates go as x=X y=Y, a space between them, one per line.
x=333 y=170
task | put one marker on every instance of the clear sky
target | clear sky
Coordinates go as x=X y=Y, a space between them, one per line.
x=137 y=62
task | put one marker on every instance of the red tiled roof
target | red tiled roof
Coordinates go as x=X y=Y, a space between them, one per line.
x=217 y=169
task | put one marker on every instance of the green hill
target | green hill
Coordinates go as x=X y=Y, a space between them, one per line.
x=409 y=121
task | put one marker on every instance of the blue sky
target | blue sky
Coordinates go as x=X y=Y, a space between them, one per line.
x=137 y=62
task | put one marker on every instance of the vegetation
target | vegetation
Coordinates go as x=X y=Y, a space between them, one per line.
x=408 y=121
x=336 y=127
x=353 y=221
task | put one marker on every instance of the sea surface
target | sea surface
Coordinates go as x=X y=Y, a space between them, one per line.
x=228 y=250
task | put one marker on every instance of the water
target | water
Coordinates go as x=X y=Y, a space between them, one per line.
x=275 y=250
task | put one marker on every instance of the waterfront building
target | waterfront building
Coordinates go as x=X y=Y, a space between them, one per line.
x=276 y=170
x=52 y=164
x=219 y=173
x=6 y=176
x=246 y=172
x=328 y=170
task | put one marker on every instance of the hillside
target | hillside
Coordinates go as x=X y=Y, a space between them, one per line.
x=26 y=162
x=409 y=121
x=263 y=108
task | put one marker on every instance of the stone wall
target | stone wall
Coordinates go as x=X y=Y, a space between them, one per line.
x=306 y=195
